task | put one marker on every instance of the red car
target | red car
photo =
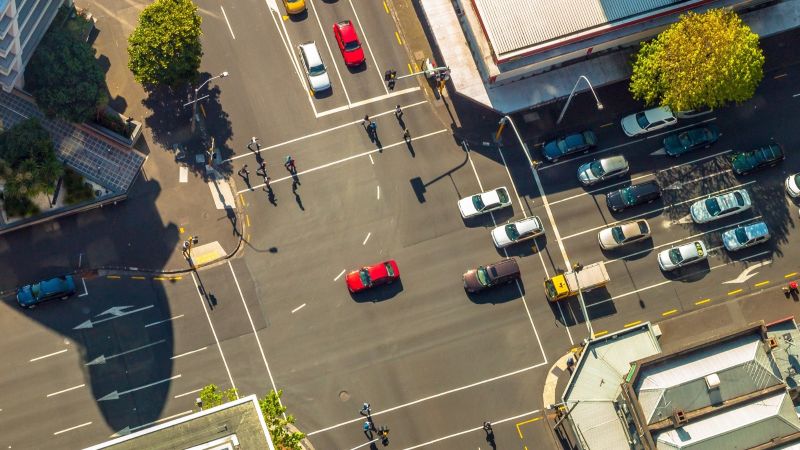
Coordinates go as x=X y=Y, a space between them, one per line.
x=348 y=42
x=371 y=276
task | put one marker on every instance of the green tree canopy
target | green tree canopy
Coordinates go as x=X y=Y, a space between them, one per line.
x=211 y=396
x=165 y=48
x=277 y=422
x=702 y=60
x=65 y=78
x=28 y=162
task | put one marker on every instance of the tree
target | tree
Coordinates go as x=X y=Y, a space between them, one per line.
x=702 y=60
x=211 y=396
x=65 y=78
x=277 y=422
x=28 y=162
x=164 y=48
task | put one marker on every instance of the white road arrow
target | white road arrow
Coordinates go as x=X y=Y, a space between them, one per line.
x=115 y=311
x=90 y=324
x=115 y=395
x=659 y=152
x=102 y=358
x=746 y=273
x=683 y=220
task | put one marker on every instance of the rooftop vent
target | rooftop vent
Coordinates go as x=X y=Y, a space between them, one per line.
x=772 y=342
x=712 y=381
x=679 y=418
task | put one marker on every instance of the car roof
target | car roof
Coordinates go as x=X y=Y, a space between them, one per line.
x=688 y=250
x=756 y=229
x=631 y=228
x=505 y=267
x=528 y=224
x=646 y=187
x=658 y=114
x=613 y=162
x=729 y=198
x=311 y=53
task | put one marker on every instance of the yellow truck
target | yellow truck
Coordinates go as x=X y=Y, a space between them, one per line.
x=567 y=284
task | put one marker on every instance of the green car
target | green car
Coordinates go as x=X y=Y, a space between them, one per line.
x=766 y=156
x=692 y=139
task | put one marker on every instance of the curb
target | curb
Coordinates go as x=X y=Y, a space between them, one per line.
x=556 y=370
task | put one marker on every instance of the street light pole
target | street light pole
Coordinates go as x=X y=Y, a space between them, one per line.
x=194 y=102
x=564 y=110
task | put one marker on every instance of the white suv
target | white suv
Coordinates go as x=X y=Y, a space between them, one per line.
x=315 y=70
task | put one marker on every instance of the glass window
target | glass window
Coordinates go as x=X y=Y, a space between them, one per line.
x=675 y=256
x=712 y=206
x=389 y=269
x=364 y=275
x=739 y=198
x=352 y=45
x=317 y=70
x=628 y=196
x=483 y=276
x=503 y=195
x=643 y=227
x=477 y=202
x=741 y=235
x=550 y=289
x=641 y=119
x=597 y=169
x=512 y=232
x=618 y=235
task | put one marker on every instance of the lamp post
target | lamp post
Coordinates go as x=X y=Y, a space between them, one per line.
x=194 y=102
x=582 y=77
x=576 y=268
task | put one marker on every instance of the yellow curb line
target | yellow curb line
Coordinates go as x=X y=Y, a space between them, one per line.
x=600 y=333
x=671 y=311
x=138 y=278
x=700 y=302
x=397 y=35
x=112 y=277
x=628 y=325
x=159 y=278
x=386 y=8
x=789 y=275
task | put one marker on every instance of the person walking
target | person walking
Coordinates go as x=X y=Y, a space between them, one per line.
x=406 y=135
x=366 y=121
x=367 y=430
x=398 y=112
x=244 y=173
x=373 y=128
x=289 y=164
x=365 y=410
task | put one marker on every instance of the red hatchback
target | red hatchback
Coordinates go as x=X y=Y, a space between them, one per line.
x=348 y=42
x=371 y=276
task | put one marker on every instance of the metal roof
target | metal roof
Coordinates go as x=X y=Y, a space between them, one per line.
x=743 y=427
x=519 y=25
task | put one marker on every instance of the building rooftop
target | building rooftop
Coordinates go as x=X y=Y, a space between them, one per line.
x=233 y=425
x=787 y=353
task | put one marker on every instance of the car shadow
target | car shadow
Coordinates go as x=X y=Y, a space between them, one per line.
x=500 y=216
x=626 y=214
x=359 y=68
x=323 y=94
x=568 y=312
x=524 y=248
x=689 y=274
x=298 y=17
x=379 y=294
x=499 y=294
x=631 y=252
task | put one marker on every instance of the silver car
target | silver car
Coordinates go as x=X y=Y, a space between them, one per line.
x=682 y=255
x=647 y=121
x=720 y=206
x=602 y=169
x=793 y=185
x=484 y=202
x=315 y=70
x=518 y=231
x=623 y=234
x=745 y=236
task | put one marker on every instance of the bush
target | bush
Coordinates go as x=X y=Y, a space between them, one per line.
x=20 y=207
x=77 y=190
x=113 y=122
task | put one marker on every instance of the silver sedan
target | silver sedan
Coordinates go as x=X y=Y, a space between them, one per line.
x=623 y=234
x=518 y=231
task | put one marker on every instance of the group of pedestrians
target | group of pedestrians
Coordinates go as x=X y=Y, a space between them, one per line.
x=372 y=127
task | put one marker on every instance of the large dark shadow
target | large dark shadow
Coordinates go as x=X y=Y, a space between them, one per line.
x=379 y=293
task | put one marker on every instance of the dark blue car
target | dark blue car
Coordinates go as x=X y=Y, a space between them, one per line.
x=55 y=288
x=571 y=143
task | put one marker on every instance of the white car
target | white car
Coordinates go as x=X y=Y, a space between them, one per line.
x=602 y=169
x=745 y=236
x=623 y=234
x=478 y=204
x=315 y=70
x=720 y=206
x=647 y=121
x=682 y=255
x=793 y=185
x=518 y=231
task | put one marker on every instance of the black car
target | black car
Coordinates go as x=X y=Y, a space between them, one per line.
x=759 y=158
x=633 y=195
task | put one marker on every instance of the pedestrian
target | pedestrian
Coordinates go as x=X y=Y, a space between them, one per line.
x=487 y=427
x=244 y=173
x=365 y=122
x=373 y=127
x=365 y=410
x=367 y=429
x=289 y=164
x=398 y=112
x=254 y=141
x=406 y=135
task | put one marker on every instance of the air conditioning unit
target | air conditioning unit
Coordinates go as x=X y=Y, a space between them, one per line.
x=712 y=381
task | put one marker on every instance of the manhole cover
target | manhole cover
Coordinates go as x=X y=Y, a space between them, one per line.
x=344 y=396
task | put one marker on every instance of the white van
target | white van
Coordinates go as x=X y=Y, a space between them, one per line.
x=315 y=70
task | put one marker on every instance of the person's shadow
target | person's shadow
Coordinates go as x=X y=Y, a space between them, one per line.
x=401 y=122
x=296 y=195
x=247 y=182
x=411 y=148
x=270 y=195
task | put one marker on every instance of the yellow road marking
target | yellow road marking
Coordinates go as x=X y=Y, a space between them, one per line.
x=601 y=333
x=790 y=275
x=628 y=325
x=159 y=278
x=409 y=68
x=181 y=230
x=705 y=300
x=247 y=217
x=248 y=237
x=241 y=199
x=386 y=8
x=204 y=258
x=762 y=283
x=416 y=67
x=523 y=423
x=397 y=35
x=285 y=17
x=137 y=278
x=735 y=292
x=671 y=311
x=113 y=277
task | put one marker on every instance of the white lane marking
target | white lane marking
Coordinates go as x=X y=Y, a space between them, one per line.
x=255 y=333
x=226 y=21
x=366 y=41
x=48 y=355
x=188 y=353
x=366 y=102
x=72 y=428
x=655 y=210
x=602 y=189
x=163 y=419
x=652 y=175
x=366 y=238
x=298 y=308
x=213 y=331
x=796 y=95
x=343 y=160
x=80 y=260
x=187 y=393
x=66 y=390
x=330 y=52
x=475 y=171
x=115 y=395
x=85 y=291
x=624 y=144
x=379 y=192
x=431 y=397
x=340 y=275
x=327 y=130
x=372 y=161
x=163 y=321
x=471 y=430
x=748 y=273
x=682 y=239
x=103 y=358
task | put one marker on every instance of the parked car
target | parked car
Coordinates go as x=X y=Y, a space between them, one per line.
x=370 y=276
x=602 y=169
x=518 y=231
x=633 y=195
x=294 y=6
x=648 y=120
x=571 y=143
x=55 y=288
x=682 y=255
x=623 y=234
x=490 y=275
x=759 y=158
x=793 y=185
x=349 y=45
x=745 y=236
x=692 y=139
x=692 y=113
x=720 y=206
x=316 y=74
x=482 y=203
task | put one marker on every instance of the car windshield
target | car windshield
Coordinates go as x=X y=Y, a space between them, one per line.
x=675 y=256
x=739 y=198
x=364 y=275
x=389 y=269
x=628 y=196
x=352 y=45
x=483 y=276
x=618 y=235
x=550 y=288
x=596 y=168
x=712 y=206
x=316 y=70
x=797 y=179
x=685 y=139
x=562 y=144
x=641 y=119
x=512 y=232
x=35 y=290
x=741 y=235
x=477 y=202
x=503 y=195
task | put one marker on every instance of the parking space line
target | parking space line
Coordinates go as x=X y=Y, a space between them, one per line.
x=65 y=390
x=735 y=291
x=213 y=331
x=72 y=428
x=780 y=76
x=366 y=238
x=85 y=291
x=298 y=308
x=187 y=393
x=340 y=275
x=48 y=355
x=607 y=125
x=226 y=21
x=188 y=353
x=628 y=325
x=790 y=275
x=763 y=283
x=702 y=302
x=669 y=313
x=379 y=192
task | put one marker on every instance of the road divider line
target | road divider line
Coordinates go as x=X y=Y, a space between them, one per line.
x=703 y=301
x=66 y=390
x=298 y=308
x=379 y=192
x=72 y=428
x=48 y=355
x=734 y=292
x=780 y=76
x=113 y=277
x=203 y=303
x=628 y=325
x=763 y=283
x=601 y=333
x=138 y=278
x=227 y=22
x=163 y=321
x=340 y=275
x=187 y=393
x=796 y=95
x=386 y=7
x=790 y=275
x=669 y=313
x=366 y=238
x=188 y=353
x=397 y=35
